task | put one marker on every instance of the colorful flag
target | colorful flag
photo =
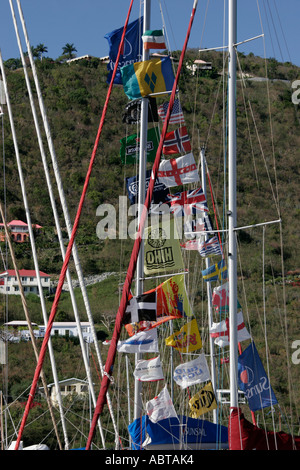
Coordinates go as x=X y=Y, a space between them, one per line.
x=220 y=298
x=162 y=249
x=176 y=115
x=130 y=147
x=160 y=191
x=187 y=202
x=201 y=224
x=220 y=331
x=187 y=339
x=145 y=341
x=161 y=407
x=148 y=370
x=203 y=401
x=141 y=307
x=132 y=50
x=191 y=244
x=177 y=141
x=154 y=39
x=211 y=247
x=192 y=372
x=253 y=380
x=178 y=171
x=147 y=77
x=215 y=272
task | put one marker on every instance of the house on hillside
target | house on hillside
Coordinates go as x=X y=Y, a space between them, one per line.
x=9 y=282
x=18 y=230
x=67 y=387
x=68 y=329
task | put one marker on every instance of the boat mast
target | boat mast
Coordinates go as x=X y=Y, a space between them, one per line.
x=232 y=219
x=138 y=407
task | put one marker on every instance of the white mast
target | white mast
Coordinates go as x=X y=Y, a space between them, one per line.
x=232 y=219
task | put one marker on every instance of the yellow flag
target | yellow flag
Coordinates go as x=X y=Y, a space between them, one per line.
x=187 y=339
x=172 y=297
x=203 y=401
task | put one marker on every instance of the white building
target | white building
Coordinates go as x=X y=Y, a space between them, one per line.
x=9 y=282
x=68 y=329
x=67 y=387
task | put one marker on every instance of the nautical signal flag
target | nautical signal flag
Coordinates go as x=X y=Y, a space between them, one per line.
x=141 y=307
x=176 y=114
x=203 y=401
x=187 y=339
x=148 y=77
x=215 y=272
x=177 y=141
x=178 y=171
x=130 y=147
x=154 y=39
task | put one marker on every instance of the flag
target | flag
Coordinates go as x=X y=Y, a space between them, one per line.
x=190 y=244
x=220 y=298
x=177 y=141
x=253 y=380
x=178 y=171
x=187 y=339
x=145 y=341
x=130 y=147
x=160 y=191
x=147 y=77
x=211 y=247
x=192 y=372
x=203 y=401
x=132 y=114
x=141 y=307
x=148 y=370
x=200 y=224
x=176 y=115
x=132 y=50
x=162 y=249
x=215 y=272
x=161 y=407
x=187 y=202
x=154 y=39
x=220 y=331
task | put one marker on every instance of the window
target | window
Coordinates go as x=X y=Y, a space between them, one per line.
x=31 y=279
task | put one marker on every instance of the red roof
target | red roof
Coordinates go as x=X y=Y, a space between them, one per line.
x=20 y=223
x=24 y=272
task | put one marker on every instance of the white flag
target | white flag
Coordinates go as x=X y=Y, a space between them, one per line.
x=144 y=341
x=178 y=171
x=192 y=372
x=220 y=331
x=161 y=407
x=149 y=370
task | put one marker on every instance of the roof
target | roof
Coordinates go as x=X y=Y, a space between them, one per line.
x=20 y=223
x=18 y=323
x=23 y=272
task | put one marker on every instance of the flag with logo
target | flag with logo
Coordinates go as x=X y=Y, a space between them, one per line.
x=187 y=203
x=154 y=39
x=141 y=307
x=148 y=370
x=130 y=147
x=187 y=339
x=200 y=224
x=177 y=141
x=209 y=248
x=132 y=49
x=192 y=372
x=147 y=77
x=142 y=342
x=203 y=401
x=132 y=113
x=176 y=114
x=161 y=407
x=160 y=191
x=253 y=380
x=220 y=331
x=220 y=298
x=162 y=248
x=178 y=171
x=215 y=272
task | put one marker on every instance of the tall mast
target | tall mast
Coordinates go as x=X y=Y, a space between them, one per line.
x=232 y=219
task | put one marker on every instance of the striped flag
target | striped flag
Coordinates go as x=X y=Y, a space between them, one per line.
x=154 y=39
x=177 y=141
x=210 y=247
x=176 y=115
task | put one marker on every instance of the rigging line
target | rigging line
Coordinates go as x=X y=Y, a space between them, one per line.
x=282 y=31
x=70 y=244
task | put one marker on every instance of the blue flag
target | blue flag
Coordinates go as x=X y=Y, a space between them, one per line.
x=253 y=380
x=132 y=51
x=215 y=272
x=160 y=191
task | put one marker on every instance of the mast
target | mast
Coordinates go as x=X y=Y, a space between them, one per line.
x=232 y=219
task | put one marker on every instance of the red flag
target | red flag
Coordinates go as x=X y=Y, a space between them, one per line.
x=177 y=141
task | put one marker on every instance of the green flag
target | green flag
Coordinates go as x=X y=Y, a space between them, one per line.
x=130 y=147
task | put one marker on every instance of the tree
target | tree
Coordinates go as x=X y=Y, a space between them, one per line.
x=68 y=51
x=41 y=48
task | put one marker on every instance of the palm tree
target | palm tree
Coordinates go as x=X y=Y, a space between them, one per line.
x=69 y=50
x=41 y=48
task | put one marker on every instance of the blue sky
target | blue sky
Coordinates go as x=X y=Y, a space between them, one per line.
x=85 y=22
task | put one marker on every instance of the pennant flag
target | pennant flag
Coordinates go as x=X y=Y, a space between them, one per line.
x=161 y=407
x=154 y=39
x=253 y=380
x=160 y=191
x=162 y=249
x=145 y=341
x=177 y=141
x=132 y=114
x=192 y=372
x=187 y=202
x=203 y=401
x=220 y=298
x=132 y=51
x=178 y=171
x=130 y=147
x=211 y=247
x=147 y=77
x=220 y=331
x=187 y=339
x=176 y=115
x=142 y=307
x=149 y=370
x=215 y=272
